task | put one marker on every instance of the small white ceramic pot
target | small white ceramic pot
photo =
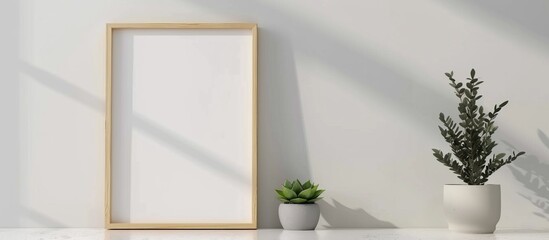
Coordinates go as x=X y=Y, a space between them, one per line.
x=299 y=216
x=472 y=208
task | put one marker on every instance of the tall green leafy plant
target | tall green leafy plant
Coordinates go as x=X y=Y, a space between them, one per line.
x=471 y=138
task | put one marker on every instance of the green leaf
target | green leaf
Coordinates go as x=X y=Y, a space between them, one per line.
x=284 y=200
x=288 y=193
x=287 y=184
x=472 y=73
x=301 y=185
x=296 y=187
x=318 y=192
x=280 y=193
x=503 y=104
x=468 y=93
x=307 y=193
x=307 y=184
x=442 y=131
x=298 y=200
x=500 y=156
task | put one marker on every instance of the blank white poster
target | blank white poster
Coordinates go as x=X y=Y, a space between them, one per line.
x=182 y=138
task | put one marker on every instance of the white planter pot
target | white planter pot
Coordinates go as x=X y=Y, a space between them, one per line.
x=299 y=216
x=472 y=208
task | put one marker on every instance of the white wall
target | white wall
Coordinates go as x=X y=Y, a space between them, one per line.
x=349 y=96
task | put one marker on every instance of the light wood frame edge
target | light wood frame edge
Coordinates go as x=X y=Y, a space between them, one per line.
x=108 y=125
x=182 y=25
x=117 y=226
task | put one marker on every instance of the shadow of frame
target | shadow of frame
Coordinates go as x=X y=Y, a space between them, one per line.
x=11 y=211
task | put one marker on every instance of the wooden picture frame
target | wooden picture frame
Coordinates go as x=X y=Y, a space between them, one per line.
x=115 y=68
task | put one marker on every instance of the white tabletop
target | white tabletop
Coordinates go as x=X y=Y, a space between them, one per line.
x=263 y=234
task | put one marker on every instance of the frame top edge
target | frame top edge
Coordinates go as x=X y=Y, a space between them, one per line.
x=181 y=25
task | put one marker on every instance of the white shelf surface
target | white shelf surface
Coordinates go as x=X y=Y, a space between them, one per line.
x=263 y=234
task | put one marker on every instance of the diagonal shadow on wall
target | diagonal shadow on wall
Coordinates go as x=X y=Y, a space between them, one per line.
x=12 y=102
x=518 y=18
x=155 y=131
x=358 y=64
x=152 y=129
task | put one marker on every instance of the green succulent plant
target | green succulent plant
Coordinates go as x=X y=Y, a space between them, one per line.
x=297 y=193
x=471 y=138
